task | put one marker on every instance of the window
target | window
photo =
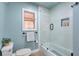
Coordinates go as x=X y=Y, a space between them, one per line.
x=28 y=20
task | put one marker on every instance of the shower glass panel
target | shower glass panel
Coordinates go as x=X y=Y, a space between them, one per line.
x=59 y=40
x=44 y=27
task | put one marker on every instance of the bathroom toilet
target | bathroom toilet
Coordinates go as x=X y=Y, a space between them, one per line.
x=22 y=52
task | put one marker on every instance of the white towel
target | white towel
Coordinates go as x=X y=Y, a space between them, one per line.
x=30 y=36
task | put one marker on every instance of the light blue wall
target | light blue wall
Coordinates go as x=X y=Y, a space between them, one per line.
x=62 y=37
x=13 y=22
x=2 y=18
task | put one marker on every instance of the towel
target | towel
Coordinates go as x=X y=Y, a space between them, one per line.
x=30 y=36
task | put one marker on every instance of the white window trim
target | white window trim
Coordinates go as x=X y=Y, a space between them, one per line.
x=24 y=9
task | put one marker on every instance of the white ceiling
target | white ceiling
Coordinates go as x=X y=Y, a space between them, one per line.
x=47 y=4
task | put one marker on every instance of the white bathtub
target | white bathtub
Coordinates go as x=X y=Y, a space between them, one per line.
x=47 y=52
x=56 y=51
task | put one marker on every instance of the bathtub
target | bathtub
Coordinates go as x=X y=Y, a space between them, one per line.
x=56 y=51
x=47 y=52
x=42 y=51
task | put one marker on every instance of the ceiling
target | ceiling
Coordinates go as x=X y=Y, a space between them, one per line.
x=47 y=4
